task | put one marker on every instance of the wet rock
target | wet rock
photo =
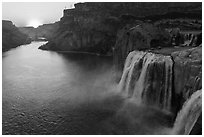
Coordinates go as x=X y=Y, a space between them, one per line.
x=187 y=67
x=187 y=73
x=189 y=120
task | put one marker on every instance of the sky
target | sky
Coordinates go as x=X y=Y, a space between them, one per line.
x=34 y=13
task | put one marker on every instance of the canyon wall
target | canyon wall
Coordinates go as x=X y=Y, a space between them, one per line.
x=43 y=31
x=11 y=36
x=187 y=74
x=148 y=36
x=93 y=27
x=140 y=37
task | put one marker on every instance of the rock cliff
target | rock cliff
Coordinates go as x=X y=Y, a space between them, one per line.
x=187 y=73
x=93 y=27
x=11 y=36
x=43 y=31
x=140 y=37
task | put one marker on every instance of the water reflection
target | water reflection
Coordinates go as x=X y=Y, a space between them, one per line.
x=46 y=92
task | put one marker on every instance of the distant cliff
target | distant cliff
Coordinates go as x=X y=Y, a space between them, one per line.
x=93 y=27
x=11 y=36
x=46 y=31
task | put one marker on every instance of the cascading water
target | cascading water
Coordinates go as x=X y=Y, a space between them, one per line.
x=126 y=81
x=189 y=114
x=147 y=77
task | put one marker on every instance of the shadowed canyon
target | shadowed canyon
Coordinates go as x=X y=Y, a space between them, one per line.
x=120 y=68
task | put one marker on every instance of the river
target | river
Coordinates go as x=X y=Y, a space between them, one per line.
x=45 y=92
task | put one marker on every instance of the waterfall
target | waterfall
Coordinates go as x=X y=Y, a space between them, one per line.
x=189 y=114
x=147 y=77
x=129 y=68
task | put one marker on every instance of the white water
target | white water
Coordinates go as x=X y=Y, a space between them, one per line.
x=141 y=78
x=189 y=114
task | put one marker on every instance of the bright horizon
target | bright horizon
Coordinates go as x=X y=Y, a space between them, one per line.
x=24 y=14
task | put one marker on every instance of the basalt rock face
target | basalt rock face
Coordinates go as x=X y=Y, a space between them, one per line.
x=46 y=31
x=11 y=36
x=187 y=73
x=81 y=30
x=140 y=37
x=93 y=27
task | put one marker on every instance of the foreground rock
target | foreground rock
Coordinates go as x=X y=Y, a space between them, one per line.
x=11 y=36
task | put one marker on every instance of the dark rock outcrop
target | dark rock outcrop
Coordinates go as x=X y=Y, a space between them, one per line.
x=140 y=37
x=93 y=27
x=189 y=119
x=11 y=36
x=187 y=74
